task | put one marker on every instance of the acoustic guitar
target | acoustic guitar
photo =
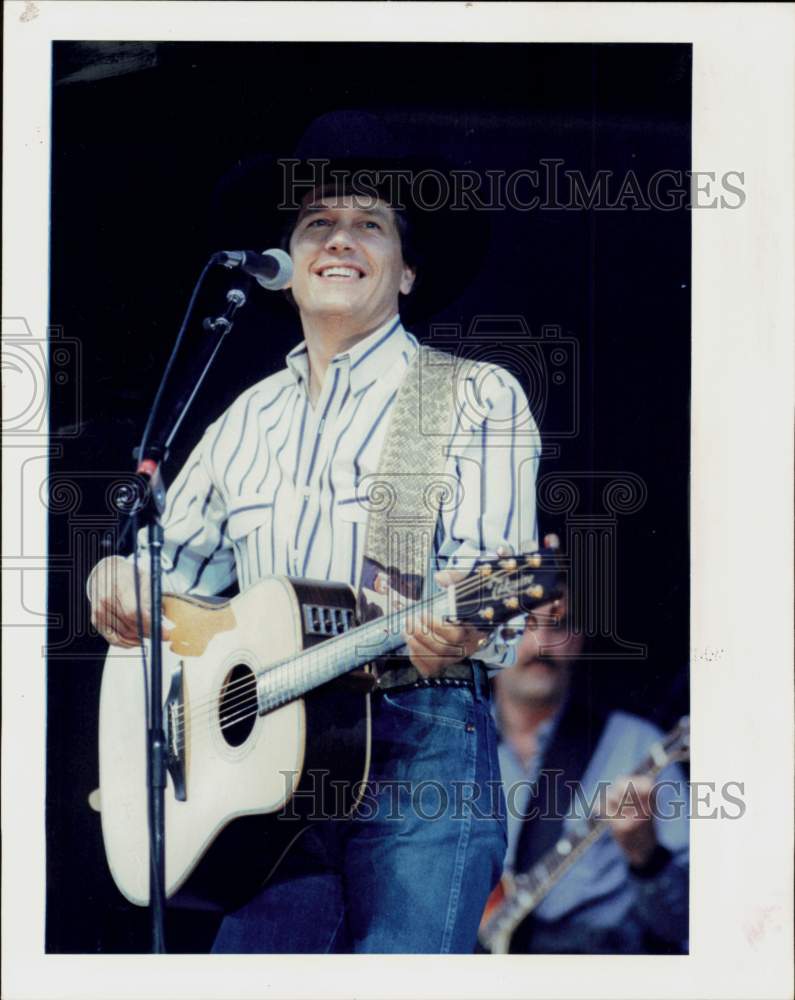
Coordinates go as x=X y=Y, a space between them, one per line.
x=266 y=725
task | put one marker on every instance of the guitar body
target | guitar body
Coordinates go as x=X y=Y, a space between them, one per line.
x=497 y=897
x=492 y=937
x=264 y=732
x=232 y=772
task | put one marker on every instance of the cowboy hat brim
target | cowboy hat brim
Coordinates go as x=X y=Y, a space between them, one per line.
x=256 y=202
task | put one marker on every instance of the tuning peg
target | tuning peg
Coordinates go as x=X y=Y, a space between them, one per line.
x=534 y=560
x=487 y=613
x=536 y=591
x=511 y=603
x=484 y=569
x=508 y=564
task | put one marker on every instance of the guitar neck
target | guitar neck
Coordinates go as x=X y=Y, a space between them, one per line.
x=549 y=869
x=530 y=887
x=495 y=591
x=328 y=660
x=533 y=885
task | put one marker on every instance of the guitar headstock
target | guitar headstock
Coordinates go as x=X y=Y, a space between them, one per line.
x=675 y=745
x=498 y=589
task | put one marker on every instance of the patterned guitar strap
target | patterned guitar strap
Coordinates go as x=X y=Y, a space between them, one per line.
x=404 y=499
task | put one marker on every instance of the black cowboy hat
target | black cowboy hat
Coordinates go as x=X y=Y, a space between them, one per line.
x=255 y=204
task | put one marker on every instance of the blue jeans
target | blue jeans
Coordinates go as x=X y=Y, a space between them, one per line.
x=412 y=871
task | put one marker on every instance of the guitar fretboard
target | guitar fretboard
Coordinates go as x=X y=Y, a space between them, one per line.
x=530 y=887
x=307 y=670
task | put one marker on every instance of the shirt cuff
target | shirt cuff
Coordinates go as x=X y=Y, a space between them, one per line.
x=495 y=654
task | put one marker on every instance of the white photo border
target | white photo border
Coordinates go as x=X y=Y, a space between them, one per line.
x=741 y=505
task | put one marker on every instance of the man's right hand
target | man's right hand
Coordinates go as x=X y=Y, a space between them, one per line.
x=111 y=590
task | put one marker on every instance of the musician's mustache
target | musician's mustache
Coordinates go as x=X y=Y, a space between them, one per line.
x=552 y=663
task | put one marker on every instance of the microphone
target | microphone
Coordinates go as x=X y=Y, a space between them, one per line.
x=273 y=269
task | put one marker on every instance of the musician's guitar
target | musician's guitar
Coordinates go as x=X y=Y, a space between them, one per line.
x=266 y=725
x=516 y=896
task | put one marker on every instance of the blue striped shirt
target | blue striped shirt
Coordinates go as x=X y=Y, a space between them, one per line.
x=271 y=487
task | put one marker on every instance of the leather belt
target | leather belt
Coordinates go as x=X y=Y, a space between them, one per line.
x=400 y=672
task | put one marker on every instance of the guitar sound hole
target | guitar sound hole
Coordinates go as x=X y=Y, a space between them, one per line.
x=238 y=706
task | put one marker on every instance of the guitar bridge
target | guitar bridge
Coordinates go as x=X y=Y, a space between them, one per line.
x=176 y=733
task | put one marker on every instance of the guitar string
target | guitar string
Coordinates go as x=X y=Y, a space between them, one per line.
x=465 y=588
x=228 y=720
x=517 y=906
x=512 y=906
x=244 y=690
x=320 y=657
x=515 y=909
x=311 y=660
x=333 y=642
x=326 y=650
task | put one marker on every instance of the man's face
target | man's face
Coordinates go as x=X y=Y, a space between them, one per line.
x=544 y=658
x=347 y=260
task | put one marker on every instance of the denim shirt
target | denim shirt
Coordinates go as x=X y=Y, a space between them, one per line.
x=600 y=904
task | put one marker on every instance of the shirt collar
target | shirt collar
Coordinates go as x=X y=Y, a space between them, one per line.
x=369 y=358
x=544 y=734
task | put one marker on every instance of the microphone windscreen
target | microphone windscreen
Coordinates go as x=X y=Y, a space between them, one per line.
x=283 y=273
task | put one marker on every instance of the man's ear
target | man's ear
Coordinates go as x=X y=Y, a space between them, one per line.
x=407 y=280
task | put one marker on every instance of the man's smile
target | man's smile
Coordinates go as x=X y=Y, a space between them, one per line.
x=348 y=260
x=340 y=272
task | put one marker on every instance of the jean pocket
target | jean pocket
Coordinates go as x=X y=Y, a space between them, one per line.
x=444 y=706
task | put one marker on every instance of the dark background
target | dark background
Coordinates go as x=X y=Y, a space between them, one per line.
x=142 y=132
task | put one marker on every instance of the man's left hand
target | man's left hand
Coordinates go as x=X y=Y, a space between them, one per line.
x=434 y=645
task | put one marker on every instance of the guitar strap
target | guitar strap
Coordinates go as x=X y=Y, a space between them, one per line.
x=407 y=494
x=571 y=747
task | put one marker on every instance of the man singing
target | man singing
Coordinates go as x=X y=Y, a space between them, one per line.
x=271 y=488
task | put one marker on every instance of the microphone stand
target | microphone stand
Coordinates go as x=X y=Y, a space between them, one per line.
x=149 y=504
